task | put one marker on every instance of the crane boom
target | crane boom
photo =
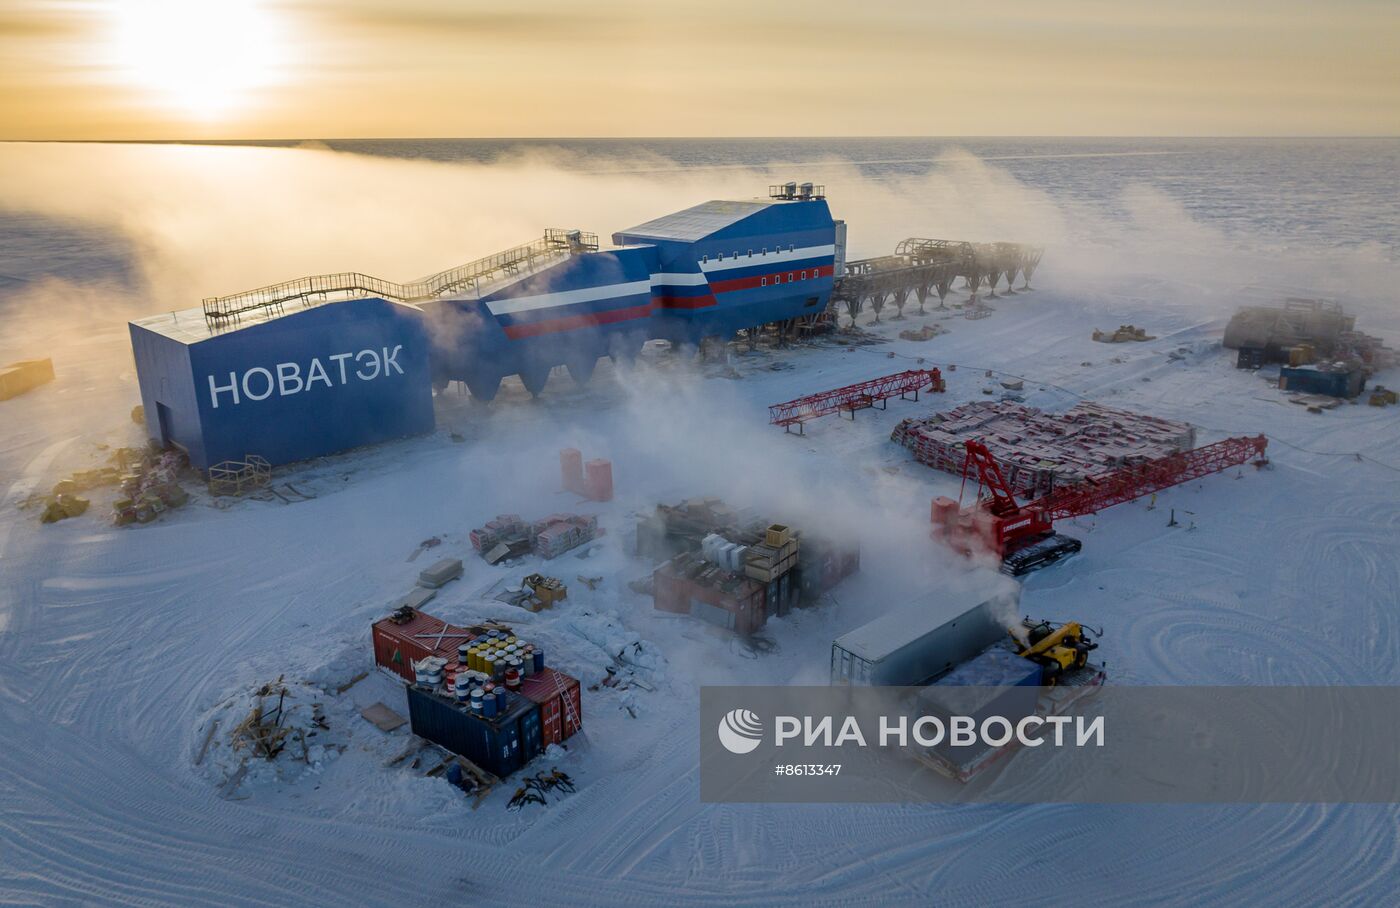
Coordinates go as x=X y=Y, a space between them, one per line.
x=1023 y=535
x=1126 y=483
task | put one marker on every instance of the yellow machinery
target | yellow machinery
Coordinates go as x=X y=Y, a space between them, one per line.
x=1058 y=650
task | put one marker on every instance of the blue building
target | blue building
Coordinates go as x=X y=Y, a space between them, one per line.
x=331 y=362
x=284 y=386
x=725 y=266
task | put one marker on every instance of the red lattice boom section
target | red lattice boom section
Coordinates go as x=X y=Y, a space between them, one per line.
x=854 y=397
x=1099 y=492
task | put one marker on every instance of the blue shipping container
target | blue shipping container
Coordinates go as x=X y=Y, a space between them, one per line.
x=500 y=745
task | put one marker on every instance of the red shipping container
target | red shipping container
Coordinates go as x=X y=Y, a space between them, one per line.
x=398 y=646
x=571 y=469
x=561 y=707
x=599 y=485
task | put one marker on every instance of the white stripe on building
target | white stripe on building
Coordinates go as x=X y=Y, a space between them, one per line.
x=517 y=304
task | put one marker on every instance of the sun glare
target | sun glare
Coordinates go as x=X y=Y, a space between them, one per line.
x=205 y=57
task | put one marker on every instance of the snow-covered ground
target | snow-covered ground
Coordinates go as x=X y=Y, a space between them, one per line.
x=118 y=646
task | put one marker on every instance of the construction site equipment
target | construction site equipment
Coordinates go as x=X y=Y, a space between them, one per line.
x=1040 y=451
x=309 y=291
x=151 y=488
x=238 y=477
x=24 y=375
x=1058 y=651
x=1023 y=536
x=1322 y=325
x=850 y=398
x=1382 y=396
x=440 y=573
x=1123 y=334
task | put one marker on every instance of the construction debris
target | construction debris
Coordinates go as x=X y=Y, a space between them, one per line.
x=153 y=488
x=927 y=332
x=266 y=732
x=1039 y=450
x=1123 y=334
x=382 y=717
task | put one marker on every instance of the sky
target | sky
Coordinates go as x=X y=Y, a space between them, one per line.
x=230 y=69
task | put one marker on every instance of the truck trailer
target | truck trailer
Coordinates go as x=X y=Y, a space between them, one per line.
x=1032 y=667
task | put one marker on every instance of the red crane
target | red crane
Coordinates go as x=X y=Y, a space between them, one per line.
x=1023 y=536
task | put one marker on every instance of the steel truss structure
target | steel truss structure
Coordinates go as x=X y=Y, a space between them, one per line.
x=854 y=397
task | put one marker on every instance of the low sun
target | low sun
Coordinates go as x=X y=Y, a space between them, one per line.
x=204 y=57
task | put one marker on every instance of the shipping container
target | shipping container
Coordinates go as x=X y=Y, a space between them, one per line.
x=1346 y=383
x=398 y=646
x=920 y=642
x=500 y=745
x=560 y=701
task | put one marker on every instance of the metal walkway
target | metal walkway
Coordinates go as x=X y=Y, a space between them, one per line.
x=555 y=244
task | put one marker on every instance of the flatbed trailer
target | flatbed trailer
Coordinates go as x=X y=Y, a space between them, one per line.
x=1052 y=701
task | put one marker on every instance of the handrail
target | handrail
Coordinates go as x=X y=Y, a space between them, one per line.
x=555 y=244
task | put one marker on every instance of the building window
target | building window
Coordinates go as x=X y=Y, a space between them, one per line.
x=750 y=253
x=720 y=257
x=765 y=250
x=789 y=277
x=777 y=278
x=763 y=282
x=804 y=275
x=791 y=248
x=704 y=259
x=736 y=253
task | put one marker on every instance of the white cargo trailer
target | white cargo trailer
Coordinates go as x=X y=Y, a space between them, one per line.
x=928 y=638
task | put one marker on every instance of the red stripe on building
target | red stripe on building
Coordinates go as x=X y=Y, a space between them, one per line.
x=776 y=278
x=586 y=320
x=683 y=302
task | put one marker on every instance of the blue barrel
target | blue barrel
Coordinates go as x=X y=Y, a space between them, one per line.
x=538 y=655
x=488 y=707
x=500 y=698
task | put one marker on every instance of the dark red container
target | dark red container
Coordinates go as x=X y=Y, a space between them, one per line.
x=398 y=646
x=559 y=698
